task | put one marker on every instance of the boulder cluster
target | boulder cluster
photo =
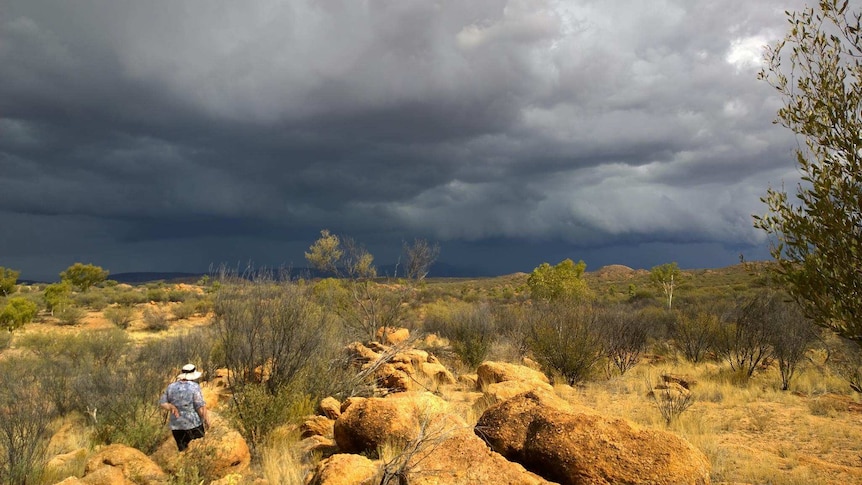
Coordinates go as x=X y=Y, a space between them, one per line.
x=526 y=434
x=408 y=433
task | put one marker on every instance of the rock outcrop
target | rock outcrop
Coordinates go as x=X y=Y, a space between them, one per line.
x=368 y=423
x=575 y=445
x=119 y=464
x=345 y=469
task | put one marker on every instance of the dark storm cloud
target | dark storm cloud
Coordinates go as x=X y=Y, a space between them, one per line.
x=578 y=124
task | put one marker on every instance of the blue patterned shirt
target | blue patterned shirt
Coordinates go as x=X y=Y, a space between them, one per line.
x=187 y=397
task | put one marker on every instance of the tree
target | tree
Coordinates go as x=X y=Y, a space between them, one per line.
x=57 y=296
x=666 y=277
x=8 y=279
x=325 y=253
x=563 y=281
x=361 y=303
x=83 y=276
x=565 y=339
x=17 y=312
x=419 y=257
x=792 y=339
x=817 y=239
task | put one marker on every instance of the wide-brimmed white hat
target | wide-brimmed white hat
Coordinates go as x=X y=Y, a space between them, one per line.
x=190 y=373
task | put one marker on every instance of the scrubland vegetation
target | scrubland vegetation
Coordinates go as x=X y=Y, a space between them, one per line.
x=769 y=397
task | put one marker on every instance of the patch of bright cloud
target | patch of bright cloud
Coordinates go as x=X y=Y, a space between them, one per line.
x=746 y=52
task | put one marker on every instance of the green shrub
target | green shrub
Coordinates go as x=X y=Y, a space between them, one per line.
x=470 y=330
x=70 y=315
x=624 y=337
x=24 y=429
x=130 y=297
x=176 y=295
x=203 y=305
x=155 y=319
x=121 y=316
x=184 y=310
x=157 y=295
x=696 y=330
x=272 y=324
x=564 y=338
x=16 y=312
x=94 y=300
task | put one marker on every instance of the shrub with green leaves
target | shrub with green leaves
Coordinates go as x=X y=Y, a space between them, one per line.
x=24 y=427
x=155 y=319
x=121 y=316
x=565 y=339
x=264 y=324
x=470 y=330
x=17 y=312
x=130 y=297
x=184 y=310
x=57 y=296
x=70 y=315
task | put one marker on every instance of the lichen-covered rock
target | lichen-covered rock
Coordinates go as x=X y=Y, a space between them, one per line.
x=345 y=469
x=453 y=454
x=226 y=450
x=500 y=391
x=574 y=445
x=316 y=426
x=392 y=336
x=494 y=372
x=436 y=372
x=370 y=422
x=122 y=461
x=329 y=407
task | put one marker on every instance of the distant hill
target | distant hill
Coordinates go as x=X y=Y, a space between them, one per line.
x=439 y=270
x=144 y=277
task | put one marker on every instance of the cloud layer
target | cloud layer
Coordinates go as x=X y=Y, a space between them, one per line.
x=166 y=135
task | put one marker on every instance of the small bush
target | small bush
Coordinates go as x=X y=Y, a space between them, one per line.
x=24 y=429
x=695 y=331
x=5 y=339
x=17 y=312
x=121 y=316
x=130 y=297
x=624 y=337
x=470 y=331
x=565 y=339
x=184 y=310
x=671 y=401
x=203 y=305
x=176 y=295
x=157 y=295
x=94 y=300
x=70 y=315
x=155 y=319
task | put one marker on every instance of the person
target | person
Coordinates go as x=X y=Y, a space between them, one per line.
x=189 y=418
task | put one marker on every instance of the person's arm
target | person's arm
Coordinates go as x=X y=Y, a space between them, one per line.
x=170 y=407
x=205 y=415
x=201 y=407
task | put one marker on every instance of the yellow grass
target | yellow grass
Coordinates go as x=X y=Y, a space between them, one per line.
x=751 y=431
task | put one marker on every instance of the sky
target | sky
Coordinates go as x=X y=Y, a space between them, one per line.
x=176 y=135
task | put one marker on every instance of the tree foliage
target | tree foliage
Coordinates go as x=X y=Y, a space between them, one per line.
x=57 y=296
x=562 y=281
x=8 y=279
x=17 y=312
x=817 y=239
x=419 y=257
x=666 y=278
x=83 y=276
x=325 y=254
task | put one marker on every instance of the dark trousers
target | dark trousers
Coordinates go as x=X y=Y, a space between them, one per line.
x=184 y=436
